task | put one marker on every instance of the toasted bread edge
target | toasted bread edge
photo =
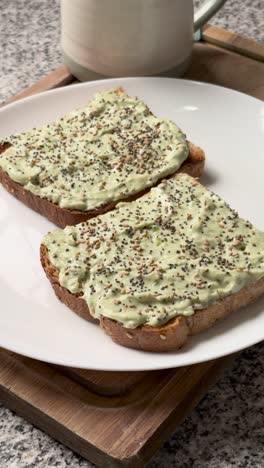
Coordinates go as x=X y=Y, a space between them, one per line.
x=171 y=336
x=62 y=217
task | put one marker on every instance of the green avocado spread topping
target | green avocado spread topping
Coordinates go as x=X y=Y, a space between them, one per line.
x=172 y=251
x=110 y=149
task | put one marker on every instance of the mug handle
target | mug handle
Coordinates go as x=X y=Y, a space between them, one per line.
x=205 y=12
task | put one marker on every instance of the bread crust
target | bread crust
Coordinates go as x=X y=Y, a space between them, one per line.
x=62 y=217
x=171 y=336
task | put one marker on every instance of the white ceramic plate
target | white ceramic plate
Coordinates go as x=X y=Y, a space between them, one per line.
x=229 y=126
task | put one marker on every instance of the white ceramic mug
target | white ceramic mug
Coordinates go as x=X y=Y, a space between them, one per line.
x=130 y=37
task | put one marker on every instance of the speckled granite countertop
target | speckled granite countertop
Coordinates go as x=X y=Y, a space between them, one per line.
x=227 y=428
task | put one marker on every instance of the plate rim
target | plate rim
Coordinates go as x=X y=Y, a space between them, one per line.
x=89 y=84
x=58 y=362
x=6 y=106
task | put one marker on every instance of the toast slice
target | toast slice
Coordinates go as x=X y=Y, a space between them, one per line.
x=81 y=166
x=159 y=269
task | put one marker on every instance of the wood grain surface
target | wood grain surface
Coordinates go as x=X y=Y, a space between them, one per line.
x=121 y=431
x=232 y=41
x=216 y=65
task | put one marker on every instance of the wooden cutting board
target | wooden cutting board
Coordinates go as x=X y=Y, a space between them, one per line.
x=119 y=419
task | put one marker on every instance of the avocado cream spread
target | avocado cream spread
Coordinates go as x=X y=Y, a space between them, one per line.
x=110 y=149
x=176 y=249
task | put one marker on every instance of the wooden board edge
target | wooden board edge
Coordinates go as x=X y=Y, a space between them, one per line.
x=61 y=76
x=211 y=34
x=216 y=369
x=18 y=382
x=235 y=42
x=105 y=383
x=21 y=399
x=54 y=429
